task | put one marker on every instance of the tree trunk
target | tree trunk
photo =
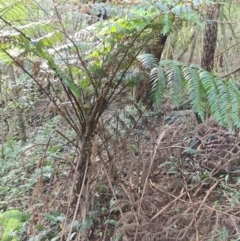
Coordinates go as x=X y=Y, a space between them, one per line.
x=19 y=110
x=156 y=49
x=83 y=162
x=210 y=37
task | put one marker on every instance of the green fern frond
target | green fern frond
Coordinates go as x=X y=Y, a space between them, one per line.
x=47 y=40
x=131 y=78
x=225 y=102
x=167 y=79
x=148 y=61
x=235 y=103
x=213 y=98
x=206 y=79
x=213 y=91
x=158 y=84
x=208 y=93
x=196 y=90
x=13 y=10
x=6 y=57
x=167 y=23
x=175 y=80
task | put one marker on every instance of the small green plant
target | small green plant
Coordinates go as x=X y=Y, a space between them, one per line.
x=222 y=234
x=12 y=222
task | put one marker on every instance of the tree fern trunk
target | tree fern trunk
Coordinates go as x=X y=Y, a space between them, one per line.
x=210 y=37
x=156 y=49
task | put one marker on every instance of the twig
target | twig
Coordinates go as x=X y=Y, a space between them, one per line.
x=208 y=193
x=228 y=214
x=168 y=193
x=232 y=72
x=226 y=49
x=168 y=205
x=200 y=207
x=150 y=168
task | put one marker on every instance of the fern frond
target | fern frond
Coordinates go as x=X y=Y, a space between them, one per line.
x=207 y=92
x=148 y=61
x=218 y=97
x=48 y=40
x=167 y=79
x=195 y=88
x=225 y=102
x=167 y=24
x=131 y=78
x=158 y=84
x=211 y=89
x=235 y=103
x=175 y=80
x=6 y=57
x=13 y=11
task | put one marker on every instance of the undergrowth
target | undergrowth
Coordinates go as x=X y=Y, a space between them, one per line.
x=171 y=174
x=23 y=166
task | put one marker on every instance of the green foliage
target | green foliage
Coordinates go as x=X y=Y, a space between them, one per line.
x=11 y=221
x=17 y=36
x=148 y=61
x=116 y=43
x=19 y=168
x=13 y=10
x=10 y=149
x=208 y=93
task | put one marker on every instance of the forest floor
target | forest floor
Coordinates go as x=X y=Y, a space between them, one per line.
x=161 y=176
x=181 y=181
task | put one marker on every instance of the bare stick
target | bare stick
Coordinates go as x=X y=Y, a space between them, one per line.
x=150 y=168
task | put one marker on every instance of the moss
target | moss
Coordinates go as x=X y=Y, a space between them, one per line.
x=10 y=222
